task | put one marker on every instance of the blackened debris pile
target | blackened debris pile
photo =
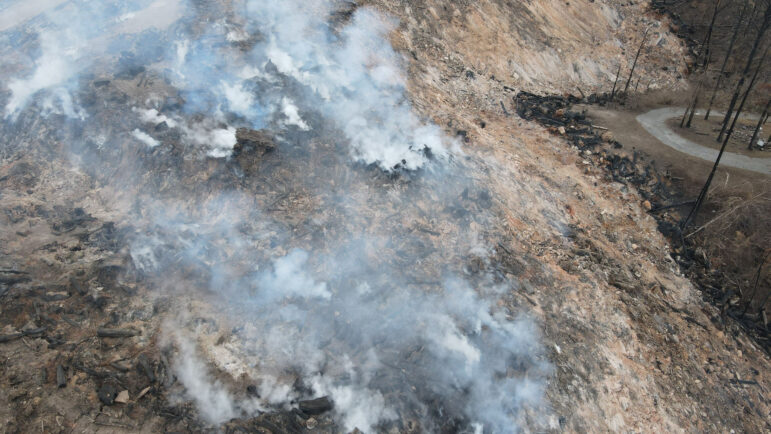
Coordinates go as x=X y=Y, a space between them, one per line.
x=555 y=112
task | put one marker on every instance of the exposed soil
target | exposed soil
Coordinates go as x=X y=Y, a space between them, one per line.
x=563 y=216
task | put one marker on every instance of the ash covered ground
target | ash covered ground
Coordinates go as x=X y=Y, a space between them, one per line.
x=244 y=216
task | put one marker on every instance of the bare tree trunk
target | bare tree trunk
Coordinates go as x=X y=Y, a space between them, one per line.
x=695 y=101
x=749 y=88
x=762 y=119
x=725 y=60
x=634 y=64
x=613 y=92
x=750 y=58
x=685 y=115
x=755 y=288
x=705 y=189
x=752 y=16
x=708 y=36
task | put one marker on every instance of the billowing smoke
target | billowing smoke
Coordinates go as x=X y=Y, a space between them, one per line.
x=347 y=323
x=351 y=75
x=340 y=265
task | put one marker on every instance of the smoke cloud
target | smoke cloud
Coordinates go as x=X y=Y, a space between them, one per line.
x=348 y=325
x=312 y=270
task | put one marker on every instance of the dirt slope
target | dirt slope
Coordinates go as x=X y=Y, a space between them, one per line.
x=652 y=356
x=632 y=345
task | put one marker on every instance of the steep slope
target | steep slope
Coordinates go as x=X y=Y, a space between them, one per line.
x=282 y=271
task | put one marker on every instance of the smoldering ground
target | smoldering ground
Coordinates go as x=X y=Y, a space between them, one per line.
x=354 y=261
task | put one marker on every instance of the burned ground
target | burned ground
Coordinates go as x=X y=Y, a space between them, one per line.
x=128 y=267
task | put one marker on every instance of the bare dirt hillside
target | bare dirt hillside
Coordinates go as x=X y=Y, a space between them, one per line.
x=489 y=277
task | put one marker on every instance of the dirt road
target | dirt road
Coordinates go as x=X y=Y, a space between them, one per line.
x=654 y=123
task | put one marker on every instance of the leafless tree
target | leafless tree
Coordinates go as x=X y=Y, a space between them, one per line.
x=708 y=37
x=637 y=56
x=755 y=286
x=691 y=109
x=758 y=39
x=705 y=188
x=728 y=53
x=762 y=120
x=618 y=73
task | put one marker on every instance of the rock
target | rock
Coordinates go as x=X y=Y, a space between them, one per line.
x=123 y=397
x=622 y=279
x=647 y=205
x=316 y=406
x=143 y=393
x=107 y=394
x=61 y=377
x=252 y=141
x=607 y=136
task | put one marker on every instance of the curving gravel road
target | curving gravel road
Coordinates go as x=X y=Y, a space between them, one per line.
x=654 y=122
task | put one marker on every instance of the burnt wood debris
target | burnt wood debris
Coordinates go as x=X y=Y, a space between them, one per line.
x=654 y=185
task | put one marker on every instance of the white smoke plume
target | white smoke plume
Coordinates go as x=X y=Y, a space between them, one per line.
x=73 y=36
x=213 y=400
x=53 y=69
x=344 y=317
x=145 y=138
x=351 y=328
x=352 y=77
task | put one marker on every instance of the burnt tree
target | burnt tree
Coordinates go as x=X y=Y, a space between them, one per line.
x=762 y=119
x=705 y=45
x=705 y=188
x=618 y=73
x=634 y=64
x=728 y=53
x=761 y=33
x=692 y=105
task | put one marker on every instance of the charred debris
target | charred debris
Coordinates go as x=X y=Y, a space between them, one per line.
x=662 y=198
x=104 y=344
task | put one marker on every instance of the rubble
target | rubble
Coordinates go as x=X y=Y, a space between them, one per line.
x=122 y=397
